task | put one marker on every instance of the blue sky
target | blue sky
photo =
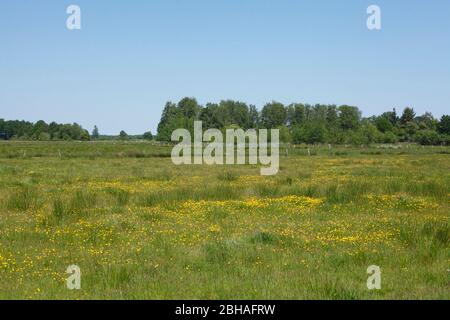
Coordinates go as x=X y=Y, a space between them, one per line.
x=130 y=57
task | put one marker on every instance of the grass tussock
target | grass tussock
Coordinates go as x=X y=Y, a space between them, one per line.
x=23 y=199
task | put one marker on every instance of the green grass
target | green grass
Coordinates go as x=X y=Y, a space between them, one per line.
x=141 y=228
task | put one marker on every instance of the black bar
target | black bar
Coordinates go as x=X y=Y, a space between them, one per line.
x=236 y=309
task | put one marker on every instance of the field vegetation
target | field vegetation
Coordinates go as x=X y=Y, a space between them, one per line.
x=141 y=228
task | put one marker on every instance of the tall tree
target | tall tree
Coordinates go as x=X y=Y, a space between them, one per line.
x=383 y=124
x=95 y=133
x=189 y=108
x=169 y=115
x=147 y=136
x=123 y=135
x=296 y=114
x=253 y=117
x=426 y=121
x=273 y=115
x=349 y=117
x=444 y=125
x=332 y=117
x=407 y=116
x=208 y=116
x=391 y=116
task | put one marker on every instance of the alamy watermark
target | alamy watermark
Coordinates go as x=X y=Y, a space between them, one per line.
x=73 y=21
x=231 y=151
x=374 y=19
x=73 y=282
x=374 y=280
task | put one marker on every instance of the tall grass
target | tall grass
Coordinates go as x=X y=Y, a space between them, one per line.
x=23 y=199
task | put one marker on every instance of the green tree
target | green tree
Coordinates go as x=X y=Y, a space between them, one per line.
x=53 y=129
x=310 y=132
x=253 y=117
x=207 y=116
x=273 y=115
x=95 y=133
x=444 y=125
x=2 y=130
x=349 y=117
x=427 y=137
x=332 y=117
x=296 y=114
x=389 y=137
x=371 y=133
x=391 y=116
x=178 y=122
x=383 y=124
x=285 y=134
x=147 y=136
x=38 y=128
x=123 y=135
x=427 y=121
x=189 y=108
x=407 y=116
x=445 y=139
x=44 y=136
x=84 y=136
x=411 y=129
x=171 y=119
x=233 y=112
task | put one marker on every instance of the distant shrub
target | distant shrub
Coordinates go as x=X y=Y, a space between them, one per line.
x=389 y=137
x=44 y=136
x=427 y=137
x=445 y=139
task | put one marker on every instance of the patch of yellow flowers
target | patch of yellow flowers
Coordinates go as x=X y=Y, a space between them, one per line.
x=291 y=201
x=400 y=201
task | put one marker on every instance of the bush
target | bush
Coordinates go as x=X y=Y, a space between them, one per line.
x=445 y=139
x=309 y=133
x=285 y=135
x=356 y=138
x=44 y=136
x=427 y=137
x=148 y=136
x=389 y=137
x=123 y=135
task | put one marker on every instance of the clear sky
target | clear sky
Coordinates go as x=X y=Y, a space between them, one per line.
x=130 y=57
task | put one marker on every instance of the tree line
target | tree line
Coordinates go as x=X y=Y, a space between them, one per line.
x=25 y=130
x=41 y=131
x=297 y=122
x=304 y=123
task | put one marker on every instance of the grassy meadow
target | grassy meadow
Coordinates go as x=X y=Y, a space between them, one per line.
x=141 y=228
